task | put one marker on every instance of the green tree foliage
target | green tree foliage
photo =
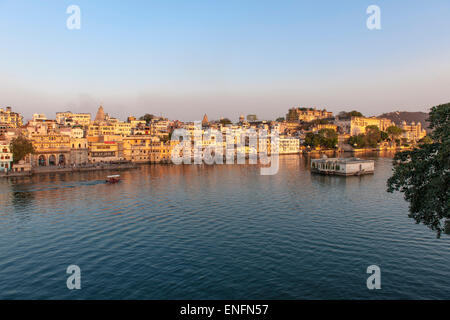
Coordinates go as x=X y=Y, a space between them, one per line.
x=352 y=113
x=373 y=136
x=358 y=141
x=21 y=147
x=147 y=117
x=326 y=138
x=423 y=174
x=225 y=121
x=280 y=119
x=312 y=140
x=370 y=139
x=426 y=140
x=394 y=132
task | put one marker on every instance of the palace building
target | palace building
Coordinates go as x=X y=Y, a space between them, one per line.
x=307 y=114
x=412 y=132
x=357 y=125
x=52 y=149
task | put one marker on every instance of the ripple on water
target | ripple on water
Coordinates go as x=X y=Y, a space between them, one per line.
x=221 y=232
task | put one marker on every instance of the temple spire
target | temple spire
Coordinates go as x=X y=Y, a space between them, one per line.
x=100 y=115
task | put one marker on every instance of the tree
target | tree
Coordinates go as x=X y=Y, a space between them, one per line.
x=355 y=113
x=394 y=132
x=327 y=138
x=280 y=119
x=373 y=136
x=147 y=117
x=312 y=140
x=358 y=141
x=352 y=113
x=423 y=174
x=426 y=140
x=20 y=148
x=225 y=121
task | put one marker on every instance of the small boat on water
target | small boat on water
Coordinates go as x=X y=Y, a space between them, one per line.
x=113 y=178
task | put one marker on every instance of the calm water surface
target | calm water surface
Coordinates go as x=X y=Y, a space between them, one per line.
x=215 y=232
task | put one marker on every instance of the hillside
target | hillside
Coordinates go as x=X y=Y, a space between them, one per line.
x=399 y=116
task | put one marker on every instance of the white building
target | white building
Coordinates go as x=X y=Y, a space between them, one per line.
x=6 y=157
x=289 y=145
x=343 y=166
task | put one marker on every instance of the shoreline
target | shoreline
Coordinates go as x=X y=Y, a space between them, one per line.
x=56 y=169
x=135 y=165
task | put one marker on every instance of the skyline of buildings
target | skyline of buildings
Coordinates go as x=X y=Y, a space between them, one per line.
x=77 y=140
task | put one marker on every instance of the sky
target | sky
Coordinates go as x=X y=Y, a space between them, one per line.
x=184 y=58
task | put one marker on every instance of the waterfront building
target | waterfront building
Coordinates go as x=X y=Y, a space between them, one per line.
x=6 y=157
x=9 y=118
x=252 y=118
x=51 y=149
x=23 y=166
x=289 y=145
x=79 y=151
x=307 y=114
x=138 y=148
x=104 y=152
x=412 y=132
x=161 y=151
x=147 y=149
x=357 y=125
x=342 y=166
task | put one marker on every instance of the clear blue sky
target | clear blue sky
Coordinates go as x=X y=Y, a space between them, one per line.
x=185 y=58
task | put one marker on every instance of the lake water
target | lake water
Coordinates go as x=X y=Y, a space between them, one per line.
x=216 y=232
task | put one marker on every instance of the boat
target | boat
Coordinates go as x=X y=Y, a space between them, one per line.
x=113 y=178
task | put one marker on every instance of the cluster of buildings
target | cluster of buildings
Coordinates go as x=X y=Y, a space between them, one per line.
x=77 y=139
x=348 y=125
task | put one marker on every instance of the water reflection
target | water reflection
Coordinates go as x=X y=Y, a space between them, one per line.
x=216 y=232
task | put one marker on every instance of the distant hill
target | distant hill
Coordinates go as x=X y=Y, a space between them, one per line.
x=399 y=116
